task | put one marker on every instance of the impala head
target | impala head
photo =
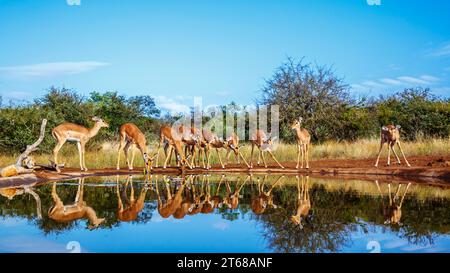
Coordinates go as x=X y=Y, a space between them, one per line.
x=296 y=220
x=391 y=130
x=297 y=123
x=100 y=121
x=148 y=160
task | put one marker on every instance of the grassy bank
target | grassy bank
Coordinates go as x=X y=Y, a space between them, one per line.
x=106 y=155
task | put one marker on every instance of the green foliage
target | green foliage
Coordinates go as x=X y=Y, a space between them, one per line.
x=20 y=123
x=323 y=100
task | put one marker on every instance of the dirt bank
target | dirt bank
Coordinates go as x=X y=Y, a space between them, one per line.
x=433 y=170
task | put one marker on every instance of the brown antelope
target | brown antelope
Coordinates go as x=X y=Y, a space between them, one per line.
x=172 y=202
x=303 y=140
x=232 y=145
x=197 y=203
x=131 y=135
x=264 y=199
x=75 y=133
x=212 y=141
x=174 y=138
x=207 y=202
x=217 y=199
x=264 y=144
x=12 y=192
x=186 y=205
x=390 y=134
x=393 y=211
x=77 y=210
x=132 y=207
x=232 y=198
x=303 y=201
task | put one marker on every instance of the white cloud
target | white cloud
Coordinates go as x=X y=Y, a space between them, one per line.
x=172 y=105
x=442 y=51
x=48 y=70
x=398 y=82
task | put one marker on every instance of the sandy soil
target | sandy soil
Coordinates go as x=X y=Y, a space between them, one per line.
x=433 y=170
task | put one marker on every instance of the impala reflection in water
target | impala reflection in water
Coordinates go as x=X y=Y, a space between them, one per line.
x=225 y=213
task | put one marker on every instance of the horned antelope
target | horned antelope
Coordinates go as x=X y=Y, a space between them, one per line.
x=131 y=135
x=390 y=134
x=303 y=140
x=232 y=145
x=232 y=198
x=303 y=201
x=75 y=133
x=174 y=140
x=264 y=144
x=172 y=202
x=264 y=199
x=133 y=206
x=77 y=210
x=393 y=211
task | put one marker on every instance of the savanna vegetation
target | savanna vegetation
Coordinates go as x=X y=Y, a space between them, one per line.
x=341 y=125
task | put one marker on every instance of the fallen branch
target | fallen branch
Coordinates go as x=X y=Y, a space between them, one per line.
x=25 y=163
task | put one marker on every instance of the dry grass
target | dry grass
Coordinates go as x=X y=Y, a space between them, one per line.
x=106 y=156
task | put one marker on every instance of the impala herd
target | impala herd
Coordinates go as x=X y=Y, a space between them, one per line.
x=189 y=145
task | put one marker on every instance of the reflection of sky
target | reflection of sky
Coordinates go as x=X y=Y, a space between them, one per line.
x=199 y=233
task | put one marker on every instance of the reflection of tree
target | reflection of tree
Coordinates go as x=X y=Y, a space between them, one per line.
x=333 y=216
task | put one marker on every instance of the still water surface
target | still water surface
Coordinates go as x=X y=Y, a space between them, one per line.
x=224 y=214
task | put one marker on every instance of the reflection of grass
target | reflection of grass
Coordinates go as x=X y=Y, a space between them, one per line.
x=106 y=155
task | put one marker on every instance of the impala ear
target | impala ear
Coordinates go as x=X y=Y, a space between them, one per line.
x=398 y=126
x=384 y=128
x=95 y=118
x=300 y=119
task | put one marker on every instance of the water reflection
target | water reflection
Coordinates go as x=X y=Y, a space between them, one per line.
x=75 y=210
x=293 y=214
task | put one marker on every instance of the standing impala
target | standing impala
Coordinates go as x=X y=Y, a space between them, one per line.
x=75 y=133
x=232 y=144
x=131 y=135
x=303 y=140
x=303 y=202
x=264 y=144
x=390 y=134
x=174 y=139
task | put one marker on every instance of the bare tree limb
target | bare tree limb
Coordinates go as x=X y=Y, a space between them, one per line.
x=33 y=147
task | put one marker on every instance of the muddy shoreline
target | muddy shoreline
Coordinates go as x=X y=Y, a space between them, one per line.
x=426 y=170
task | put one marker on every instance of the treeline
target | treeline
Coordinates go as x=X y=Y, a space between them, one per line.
x=312 y=92
x=330 y=113
x=20 y=123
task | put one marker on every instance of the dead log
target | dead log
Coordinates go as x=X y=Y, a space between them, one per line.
x=24 y=163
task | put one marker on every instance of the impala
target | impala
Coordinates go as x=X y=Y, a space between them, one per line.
x=77 y=210
x=133 y=206
x=390 y=134
x=393 y=211
x=232 y=145
x=172 y=202
x=264 y=144
x=174 y=139
x=75 y=133
x=303 y=201
x=131 y=135
x=303 y=140
x=264 y=198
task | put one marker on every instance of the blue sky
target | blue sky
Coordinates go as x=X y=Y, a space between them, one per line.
x=218 y=50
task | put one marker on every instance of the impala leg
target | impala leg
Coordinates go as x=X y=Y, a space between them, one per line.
x=379 y=153
x=395 y=153
x=56 y=151
x=168 y=156
x=80 y=154
x=390 y=197
x=119 y=198
x=126 y=149
x=83 y=152
x=133 y=152
x=273 y=157
x=122 y=143
x=259 y=156
x=404 y=194
x=401 y=150
x=245 y=161
x=302 y=148
x=298 y=155
x=389 y=155
x=307 y=155
x=251 y=156
x=220 y=159
x=263 y=158
x=227 y=157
